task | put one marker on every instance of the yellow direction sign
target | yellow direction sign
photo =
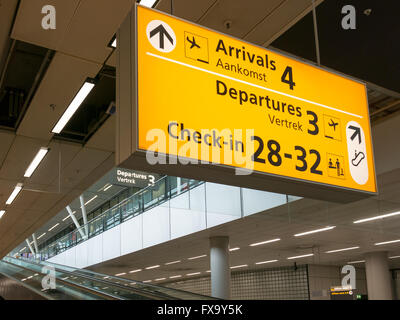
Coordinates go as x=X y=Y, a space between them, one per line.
x=219 y=99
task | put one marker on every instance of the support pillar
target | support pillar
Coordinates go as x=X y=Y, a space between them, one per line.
x=75 y=222
x=36 y=245
x=378 y=276
x=84 y=216
x=220 y=268
x=30 y=246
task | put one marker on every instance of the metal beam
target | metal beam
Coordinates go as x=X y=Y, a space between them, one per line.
x=83 y=208
x=35 y=243
x=30 y=247
x=76 y=222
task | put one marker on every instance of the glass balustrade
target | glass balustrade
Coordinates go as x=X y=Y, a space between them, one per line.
x=164 y=189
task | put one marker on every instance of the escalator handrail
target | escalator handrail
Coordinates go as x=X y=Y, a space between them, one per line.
x=101 y=277
x=146 y=293
x=69 y=283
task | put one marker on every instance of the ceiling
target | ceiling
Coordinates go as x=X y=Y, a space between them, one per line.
x=84 y=152
x=280 y=222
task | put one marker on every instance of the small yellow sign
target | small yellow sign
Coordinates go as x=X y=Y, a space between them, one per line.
x=210 y=93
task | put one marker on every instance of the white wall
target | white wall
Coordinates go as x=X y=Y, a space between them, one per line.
x=203 y=207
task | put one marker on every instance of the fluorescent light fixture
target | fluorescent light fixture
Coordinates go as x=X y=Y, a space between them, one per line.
x=197 y=257
x=89 y=201
x=153 y=267
x=120 y=274
x=66 y=218
x=57 y=224
x=386 y=242
x=314 y=231
x=41 y=236
x=264 y=242
x=302 y=256
x=148 y=3
x=2 y=212
x=106 y=277
x=172 y=262
x=264 y=262
x=160 y=279
x=234 y=249
x=114 y=43
x=378 y=217
x=22 y=249
x=193 y=274
x=208 y=271
x=134 y=271
x=177 y=276
x=105 y=189
x=354 y=262
x=35 y=162
x=240 y=266
x=74 y=105
x=146 y=281
x=14 y=194
x=394 y=257
x=345 y=249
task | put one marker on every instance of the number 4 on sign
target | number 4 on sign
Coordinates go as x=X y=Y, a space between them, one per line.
x=288 y=73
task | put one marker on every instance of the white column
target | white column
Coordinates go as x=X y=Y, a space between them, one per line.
x=30 y=247
x=75 y=222
x=84 y=216
x=35 y=244
x=378 y=276
x=220 y=268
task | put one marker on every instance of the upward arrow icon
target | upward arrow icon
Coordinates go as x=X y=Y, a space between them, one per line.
x=162 y=33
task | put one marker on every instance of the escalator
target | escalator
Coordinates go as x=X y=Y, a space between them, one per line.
x=79 y=284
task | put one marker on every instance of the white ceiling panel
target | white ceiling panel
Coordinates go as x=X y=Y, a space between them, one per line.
x=20 y=155
x=6 y=140
x=104 y=138
x=277 y=22
x=92 y=27
x=28 y=23
x=62 y=81
x=189 y=10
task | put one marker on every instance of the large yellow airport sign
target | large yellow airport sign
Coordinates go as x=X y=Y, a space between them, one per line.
x=256 y=109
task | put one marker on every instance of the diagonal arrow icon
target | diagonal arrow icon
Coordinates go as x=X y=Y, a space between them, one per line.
x=357 y=132
x=162 y=33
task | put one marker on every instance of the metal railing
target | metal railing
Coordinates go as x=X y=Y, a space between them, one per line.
x=163 y=189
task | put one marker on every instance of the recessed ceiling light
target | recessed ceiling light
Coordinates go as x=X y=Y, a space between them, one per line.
x=234 y=249
x=120 y=274
x=2 y=212
x=148 y=3
x=105 y=189
x=394 y=257
x=264 y=242
x=354 y=262
x=57 y=224
x=146 y=281
x=35 y=162
x=240 y=266
x=177 y=276
x=74 y=105
x=378 y=217
x=193 y=274
x=89 y=201
x=314 y=231
x=197 y=257
x=264 y=262
x=114 y=43
x=14 y=194
x=41 y=236
x=160 y=279
x=153 y=267
x=134 y=271
x=386 y=242
x=345 y=249
x=302 y=256
x=22 y=249
x=172 y=262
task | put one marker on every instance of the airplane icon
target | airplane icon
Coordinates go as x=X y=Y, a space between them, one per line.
x=333 y=124
x=193 y=43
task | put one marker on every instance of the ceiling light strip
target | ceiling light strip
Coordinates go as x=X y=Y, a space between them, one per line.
x=314 y=231
x=36 y=161
x=14 y=194
x=378 y=217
